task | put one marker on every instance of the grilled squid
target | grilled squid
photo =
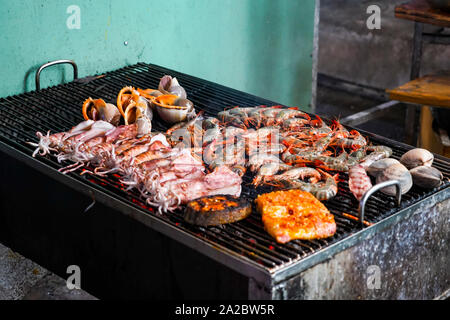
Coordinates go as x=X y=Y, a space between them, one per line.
x=98 y=109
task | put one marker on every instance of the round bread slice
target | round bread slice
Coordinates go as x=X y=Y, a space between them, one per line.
x=217 y=210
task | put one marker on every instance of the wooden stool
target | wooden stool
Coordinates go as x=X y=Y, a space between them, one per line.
x=429 y=91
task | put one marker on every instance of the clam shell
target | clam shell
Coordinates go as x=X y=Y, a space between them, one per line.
x=396 y=172
x=417 y=157
x=426 y=177
x=378 y=166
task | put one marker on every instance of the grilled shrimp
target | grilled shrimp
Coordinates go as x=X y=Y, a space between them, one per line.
x=355 y=141
x=268 y=170
x=323 y=190
x=378 y=153
x=257 y=160
x=358 y=181
x=297 y=173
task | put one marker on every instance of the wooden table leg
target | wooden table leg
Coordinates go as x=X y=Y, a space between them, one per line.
x=426 y=130
x=412 y=111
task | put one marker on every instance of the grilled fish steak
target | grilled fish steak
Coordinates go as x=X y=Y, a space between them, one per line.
x=295 y=214
x=217 y=210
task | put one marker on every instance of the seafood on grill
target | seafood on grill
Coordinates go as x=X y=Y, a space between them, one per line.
x=170 y=85
x=426 y=177
x=377 y=153
x=396 y=172
x=168 y=186
x=173 y=109
x=257 y=160
x=217 y=210
x=47 y=143
x=295 y=214
x=98 y=109
x=141 y=114
x=124 y=98
x=165 y=176
x=377 y=167
x=358 y=181
x=282 y=147
x=68 y=141
x=417 y=157
x=128 y=95
x=324 y=189
x=276 y=139
x=267 y=171
x=149 y=94
x=296 y=173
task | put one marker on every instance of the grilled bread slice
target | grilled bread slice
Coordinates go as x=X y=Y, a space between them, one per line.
x=295 y=214
x=217 y=210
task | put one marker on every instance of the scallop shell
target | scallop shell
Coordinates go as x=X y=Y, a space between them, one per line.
x=378 y=166
x=426 y=177
x=396 y=172
x=417 y=157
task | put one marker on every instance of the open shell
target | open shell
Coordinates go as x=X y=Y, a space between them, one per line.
x=426 y=177
x=169 y=111
x=98 y=109
x=125 y=97
x=417 y=157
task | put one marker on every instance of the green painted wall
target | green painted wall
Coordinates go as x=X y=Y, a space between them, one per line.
x=262 y=47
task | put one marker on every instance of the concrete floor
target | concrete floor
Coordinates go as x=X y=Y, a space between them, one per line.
x=22 y=279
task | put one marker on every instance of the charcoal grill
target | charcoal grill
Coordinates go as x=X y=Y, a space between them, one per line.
x=409 y=244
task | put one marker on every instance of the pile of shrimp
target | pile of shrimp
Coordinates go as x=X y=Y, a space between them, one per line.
x=284 y=147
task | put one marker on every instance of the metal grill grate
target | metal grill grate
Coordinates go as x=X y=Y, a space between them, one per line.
x=59 y=108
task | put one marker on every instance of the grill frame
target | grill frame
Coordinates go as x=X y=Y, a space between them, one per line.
x=241 y=264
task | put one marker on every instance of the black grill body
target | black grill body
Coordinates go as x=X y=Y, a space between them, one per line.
x=125 y=249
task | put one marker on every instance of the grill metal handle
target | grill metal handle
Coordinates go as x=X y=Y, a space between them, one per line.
x=375 y=188
x=38 y=72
